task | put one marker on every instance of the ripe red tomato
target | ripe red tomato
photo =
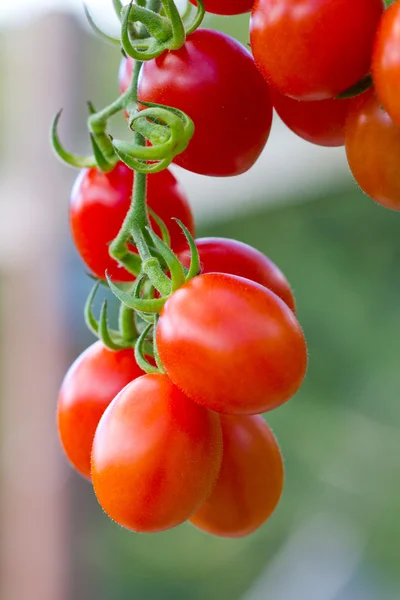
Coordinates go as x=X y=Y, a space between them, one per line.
x=373 y=150
x=223 y=255
x=99 y=203
x=156 y=456
x=250 y=482
x=94 y=379
x=322 y=122
x=313 y=49
x=211 y=78
x=222 y=7
x=231 y=344
x=386 y=61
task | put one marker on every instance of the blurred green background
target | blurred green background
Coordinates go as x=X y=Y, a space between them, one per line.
x=336 y=533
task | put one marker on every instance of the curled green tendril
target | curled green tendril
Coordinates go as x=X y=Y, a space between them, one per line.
x=73 y=160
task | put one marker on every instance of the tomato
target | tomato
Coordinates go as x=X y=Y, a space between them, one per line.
x=314 y=49
x=211 y=78
x=373 y=150
x=222 y=7
x=250 y=482
x=223 y=255
x=94 y=379
x=321 y=122
x=231 y=344
x=386 y=61
x=99 y=203
x=156 y=455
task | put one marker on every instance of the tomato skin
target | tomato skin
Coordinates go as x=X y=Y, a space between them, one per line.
x=156 y=456
x=222 y=7
x=313 y=49
x=89 y=386
x=322 y=122
x=223 y=255
x=373 y=150
x=231 y=344
x=250 y=481
x=211 y=78
x=99 y=203
x=386 y=61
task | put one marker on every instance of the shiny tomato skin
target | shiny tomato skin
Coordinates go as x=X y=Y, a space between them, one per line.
x=227 y=7
x=99 y=203
x=224 y=255
x=211 y=78
x=313 y=49
x=386 y=61
x=231 y=344
x=91 y=383
x=156 y=456
x=322 y=122
x=373 y=150
x=250 y=482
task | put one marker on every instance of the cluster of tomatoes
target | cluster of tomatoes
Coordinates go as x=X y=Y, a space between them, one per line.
x=185 y=440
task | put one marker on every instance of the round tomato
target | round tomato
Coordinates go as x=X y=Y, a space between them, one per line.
x=386 y=61
x=94 y=379
x=222 y=7
x=314 y=49
x=99 y=203
x=250 y=482
x=156 y=456
x=322 y=122
x=373 y=150
x=223 y=255
x=214 y=80
x=231 y=344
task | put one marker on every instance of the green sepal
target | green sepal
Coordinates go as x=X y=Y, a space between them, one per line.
x=172 y=261
x=148 y=306
x=101 y=161
x=73 y=160
x=166 y=238
x=111 y=342
x=359 y=88
x=155 y=348
x=197 y=19
x=141 y=360
x=195 y=265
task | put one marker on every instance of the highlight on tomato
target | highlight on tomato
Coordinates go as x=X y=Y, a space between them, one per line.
x=250 y=481
x=98 y=206
x=314 y=49
x=223 y=255
x=386 y=61
x=89 y=386
x=211 y=78
x=156 y=455
x=225 y=7
x=231 y=344
x=373 y=150
x=321 y=122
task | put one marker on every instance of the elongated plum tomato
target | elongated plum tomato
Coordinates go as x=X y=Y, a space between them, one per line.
x=211 y=79
x=156 y=456
x=99 y=203
x=227 y=7
x=250 y=482
x=93 y=380
x=373 y=150
x=223 y=255
x=386 y=62
x=322 y=122
x=313 y=49
x=231 y=344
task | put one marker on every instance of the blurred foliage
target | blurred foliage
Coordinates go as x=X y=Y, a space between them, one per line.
x=340 y=435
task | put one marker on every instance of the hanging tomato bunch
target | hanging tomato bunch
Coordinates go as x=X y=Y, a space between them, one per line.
x=162 y=414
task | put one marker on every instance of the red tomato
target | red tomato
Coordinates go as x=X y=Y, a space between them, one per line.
x=250 y=482
x=156 y=456
x=322 y=122
x=231 y=344
x=99 y=203
x=373 y=150
x=314 y=49
x=211 y=78
x=224 y=7
x=386 y=61
x=223 y=255
x=94 y=379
